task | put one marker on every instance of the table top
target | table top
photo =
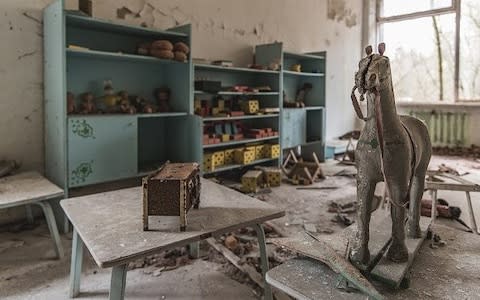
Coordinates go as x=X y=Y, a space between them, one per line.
x=308 y=279
x=25 y=188
x=110 y=224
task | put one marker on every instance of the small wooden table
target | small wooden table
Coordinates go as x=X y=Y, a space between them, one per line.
x=29 y=188
x=110 y=226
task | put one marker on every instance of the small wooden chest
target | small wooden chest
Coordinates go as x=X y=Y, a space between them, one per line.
x=171 y=191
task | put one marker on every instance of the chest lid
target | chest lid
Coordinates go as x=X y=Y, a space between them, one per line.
x=176 y=171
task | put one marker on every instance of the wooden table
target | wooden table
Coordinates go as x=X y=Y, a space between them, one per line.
x=29 y=188
x=453 y=183
x=110 y=226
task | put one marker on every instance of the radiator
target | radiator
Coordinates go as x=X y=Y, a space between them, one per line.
x=445 y=128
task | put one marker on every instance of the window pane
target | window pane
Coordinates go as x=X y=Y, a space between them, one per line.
x=469 y=50
x=413 y=52
x=400 y=7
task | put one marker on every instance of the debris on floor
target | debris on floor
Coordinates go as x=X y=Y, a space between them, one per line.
x=466 y=152
x=349 y=207
x=342 y=219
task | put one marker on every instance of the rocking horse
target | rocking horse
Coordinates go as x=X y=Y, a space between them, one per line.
x=391 y=148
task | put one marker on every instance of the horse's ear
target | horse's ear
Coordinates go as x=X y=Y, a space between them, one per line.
x=368 y=50
x=381 y=48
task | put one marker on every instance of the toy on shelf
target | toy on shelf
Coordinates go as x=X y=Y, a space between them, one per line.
x=162 y=49
x=144 y=48
x=141 y=104
x=109 y=98
x=251 y=107
x=71 y=108
x=124 y=103
x=87 y=105
x=162 y=95
x=296 y=68
x=171 y=191
x=180 y=51
x=302 y=93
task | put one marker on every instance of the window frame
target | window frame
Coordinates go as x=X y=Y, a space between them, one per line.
x=455 y=8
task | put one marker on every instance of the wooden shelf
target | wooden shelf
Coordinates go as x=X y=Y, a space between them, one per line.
x=152 y=115
x=232 y=69
x=246 y=117
x=94 y=54
x=238 y=166
x=314 y=107
x=227 y=93
x=239 y=142
x=288 y=55
x=293 y=73
x=103 y=25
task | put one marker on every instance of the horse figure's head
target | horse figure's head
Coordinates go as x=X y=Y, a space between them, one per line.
x=373 y=72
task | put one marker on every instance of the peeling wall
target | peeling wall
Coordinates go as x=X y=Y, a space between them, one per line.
x=222 y=29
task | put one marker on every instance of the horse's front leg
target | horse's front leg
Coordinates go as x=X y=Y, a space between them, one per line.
x=365 y=191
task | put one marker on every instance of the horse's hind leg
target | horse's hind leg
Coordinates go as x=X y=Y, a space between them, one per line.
x=416 y=194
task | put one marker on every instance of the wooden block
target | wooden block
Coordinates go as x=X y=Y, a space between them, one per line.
x=237 y=113
x=215 y=111
x=393 y=273
x=251 y=106
x=221 y=104
x=219 y=158
x=251 y=181
x=273 y=150
x=237 y=137
x=208 y=162
x=229 y=156
x=273 y=176
x=259 y=151
x=244 y=156
x=225 y=137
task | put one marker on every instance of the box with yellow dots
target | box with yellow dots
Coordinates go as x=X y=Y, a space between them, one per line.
x=260 y=151
x=273 y=150
x=229 y=156
x=212 y=160
x=272 y=176
x=252 y=181
x=251 y=106
x=244 y=156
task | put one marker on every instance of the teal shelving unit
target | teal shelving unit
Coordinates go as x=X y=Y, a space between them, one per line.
x=231 y=76
x=304 y=127
x=90 y=149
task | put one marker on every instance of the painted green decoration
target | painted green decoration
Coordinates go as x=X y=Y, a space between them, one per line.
x=82 y=129
x=82 y=171
x=373 y=143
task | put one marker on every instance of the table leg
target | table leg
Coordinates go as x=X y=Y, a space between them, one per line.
x=264 y=260
x=76 y=264
x=473 y=223
x=29 y=213
x=194 y=249
x=117 y=284
x=52 y=226
x=434 y=212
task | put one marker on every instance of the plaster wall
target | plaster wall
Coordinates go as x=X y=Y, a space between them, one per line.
x=222 y=29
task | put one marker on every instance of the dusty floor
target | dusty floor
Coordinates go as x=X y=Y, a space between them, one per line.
x=451 y=272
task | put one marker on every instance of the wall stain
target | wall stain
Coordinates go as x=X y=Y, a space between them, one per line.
x=28 y=16
x=337 y=10
x=26 y=54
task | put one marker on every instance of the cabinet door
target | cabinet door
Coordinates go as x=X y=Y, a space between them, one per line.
x=101 y=148
x=294 y=126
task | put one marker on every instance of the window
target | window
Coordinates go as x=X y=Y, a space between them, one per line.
x=433 y=47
